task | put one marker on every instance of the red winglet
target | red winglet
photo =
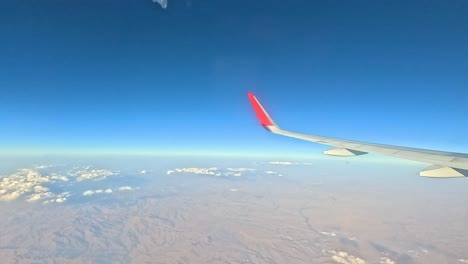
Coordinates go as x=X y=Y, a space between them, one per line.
x=262 y=115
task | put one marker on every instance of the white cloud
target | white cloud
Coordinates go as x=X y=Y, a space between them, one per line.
x=282 y=163
x=463 y=260
x=344 y=257
x=417 y=252
x=29 y=182
x=386 y=260
x=10 y=196
x=109 y=191
x=58 y=177
x=22 y=182
x=60 y=200
x=204 y=171
x=240 y=169
x=40 y=188
x=126 y=188
x=92 y=174
x=236 y=172
x=288 y=163
x=88 y=193
x=57 y=198
x=39 y=196
x=328 y=234
x=274 y=173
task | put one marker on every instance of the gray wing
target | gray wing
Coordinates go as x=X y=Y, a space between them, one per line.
x=444 y=164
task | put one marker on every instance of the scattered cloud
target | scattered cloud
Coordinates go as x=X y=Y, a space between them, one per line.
x=344 y=257
x=328 y=234
x=240 y=169
x=88 y=193
x=126 y=188
x=274 y=173
x=288 y=163
x=214 y=171
x=463 y=260
x=40 y=167
x=109 y=191
x=418 y=252
x=22 y=182
x=34 y=184
x=282 y=163
x=57 y=198
x=54 y=176
x=91 y=174
x=386 y=260
x=204 y=171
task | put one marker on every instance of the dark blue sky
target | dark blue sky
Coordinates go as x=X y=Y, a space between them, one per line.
x=129 y=75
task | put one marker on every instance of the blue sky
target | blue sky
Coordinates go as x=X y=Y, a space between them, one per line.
x=131 y=76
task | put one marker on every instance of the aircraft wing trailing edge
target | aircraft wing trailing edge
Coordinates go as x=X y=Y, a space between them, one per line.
x=445 y=164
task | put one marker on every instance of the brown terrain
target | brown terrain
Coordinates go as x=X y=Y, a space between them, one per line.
x=214 y=220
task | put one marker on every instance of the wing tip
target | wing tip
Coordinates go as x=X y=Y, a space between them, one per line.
x=262 y=115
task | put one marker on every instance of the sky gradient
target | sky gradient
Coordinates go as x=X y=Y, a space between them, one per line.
x=131 y=76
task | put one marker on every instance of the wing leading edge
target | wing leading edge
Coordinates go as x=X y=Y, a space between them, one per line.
x=445 y=164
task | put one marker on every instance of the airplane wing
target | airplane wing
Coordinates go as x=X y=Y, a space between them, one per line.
x=445 y=164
